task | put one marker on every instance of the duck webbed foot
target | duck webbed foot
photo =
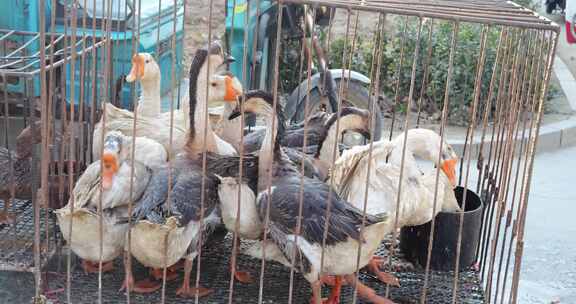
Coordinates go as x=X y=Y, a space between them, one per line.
x=317 y=293
x=334 y=297
x=384 y=277
x=91 y=267
x=190 y=292
x=365 y=291
x=185 y=290
x=171 y=272
x=243 y=277
x=144 y=286
x=7 y=218
x=240 y=276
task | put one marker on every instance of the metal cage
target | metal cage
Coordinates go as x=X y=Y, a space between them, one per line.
x=407 y=62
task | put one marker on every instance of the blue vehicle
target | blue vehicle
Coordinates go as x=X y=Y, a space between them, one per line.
x=156 y=34
x=259 y=20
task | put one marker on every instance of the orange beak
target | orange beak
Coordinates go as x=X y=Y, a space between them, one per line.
x=449 y=168
x=231 y=92
x=137 y=71
x=109 y=168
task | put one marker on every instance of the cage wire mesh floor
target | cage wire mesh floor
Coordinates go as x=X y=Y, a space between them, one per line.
x=17 y=240
x=215 y=274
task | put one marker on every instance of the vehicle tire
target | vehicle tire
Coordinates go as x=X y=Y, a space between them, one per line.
x=356 y=94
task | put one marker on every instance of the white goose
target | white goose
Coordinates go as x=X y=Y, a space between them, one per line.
x=115 y=179
x=158 y=127
x=146 y=70
x=417 y=197
x=175 y=214
x=418 y=189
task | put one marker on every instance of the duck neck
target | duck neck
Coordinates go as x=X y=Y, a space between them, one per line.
x=326 y=148
x=198 y=109
x=230 y=129
x=332 y=137
x=149 y=103
x=270 y=151
x=201 y=120
x=413 y=147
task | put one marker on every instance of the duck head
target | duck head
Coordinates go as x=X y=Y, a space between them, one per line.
x=353 y=119
x=30 y=136
x=257 y=102
x=218 y=58
x=225 y=87
x=426 y=144
x=144 y=68
x=111 y=157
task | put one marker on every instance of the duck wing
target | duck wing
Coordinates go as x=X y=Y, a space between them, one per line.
x=253 y=141
x=344 y=222
x=150 y=204
x=87 y=188
x=295 y=137
x=119 y=195
x=228 y=166
x=353 y=163
x=186 y=198
x=298 y=157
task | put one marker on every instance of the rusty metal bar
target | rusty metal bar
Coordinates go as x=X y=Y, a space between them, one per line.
x=502 y=183
x=494 y=151
x=467 y=156
x=454 y=42
x=528 y=70
x=425 y=73
x=398 y=76
x=44 y=163
x=439 y=13
x=236 y=239
x=553 y=42
x=538 y=60
x=204 y=136
x=269 y=182
x=334 y=150
x=302 y=166
x=404 y=144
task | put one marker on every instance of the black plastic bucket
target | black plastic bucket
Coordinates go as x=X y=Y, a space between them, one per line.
x=414 y=240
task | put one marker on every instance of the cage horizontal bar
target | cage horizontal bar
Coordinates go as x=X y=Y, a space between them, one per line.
x=457 y=11
x=28 y=66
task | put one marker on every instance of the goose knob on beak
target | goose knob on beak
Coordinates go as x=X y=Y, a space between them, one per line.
x=233 y=89
x=109 y=169
x=449 y=168
x=137 y=71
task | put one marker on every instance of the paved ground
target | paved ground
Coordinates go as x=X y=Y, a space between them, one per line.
x=549 y=269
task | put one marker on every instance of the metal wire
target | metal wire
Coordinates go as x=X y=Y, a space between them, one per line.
x=448 y=87
x=304 y=144
x=506 y=144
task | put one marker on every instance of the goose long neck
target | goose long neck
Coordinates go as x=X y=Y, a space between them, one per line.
x=231 y=129
x=414 y=146
x=200 y=118
x=333 y=135
x=270 y=151
x=149 y=103
x=327 y=146
x=197 y=105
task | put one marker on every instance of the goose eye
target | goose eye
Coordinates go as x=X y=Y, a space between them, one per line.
x=147 y=61
x=213 y=84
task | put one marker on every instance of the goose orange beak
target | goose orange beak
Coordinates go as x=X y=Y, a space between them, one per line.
x=137 y=71
x=109 y=169
x=449 y=168
x=231 y=92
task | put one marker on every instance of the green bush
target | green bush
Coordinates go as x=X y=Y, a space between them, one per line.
x=464 y=70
